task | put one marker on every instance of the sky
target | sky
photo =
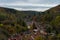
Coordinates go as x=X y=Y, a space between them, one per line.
x=35 y=5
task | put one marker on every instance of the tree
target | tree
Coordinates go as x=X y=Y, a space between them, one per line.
x=56 y=23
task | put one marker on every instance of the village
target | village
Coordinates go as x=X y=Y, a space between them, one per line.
x=30 y=34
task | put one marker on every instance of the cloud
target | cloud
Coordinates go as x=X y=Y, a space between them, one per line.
x=38 y=9
x=27 y=4
x=32 y=1
x=40 y=5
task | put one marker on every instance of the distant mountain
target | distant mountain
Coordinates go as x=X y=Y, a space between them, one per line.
x=54 y=9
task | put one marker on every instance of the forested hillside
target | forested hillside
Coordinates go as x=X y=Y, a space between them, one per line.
x=13 y=21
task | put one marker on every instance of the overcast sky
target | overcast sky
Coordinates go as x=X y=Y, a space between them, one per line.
x=37 y=5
